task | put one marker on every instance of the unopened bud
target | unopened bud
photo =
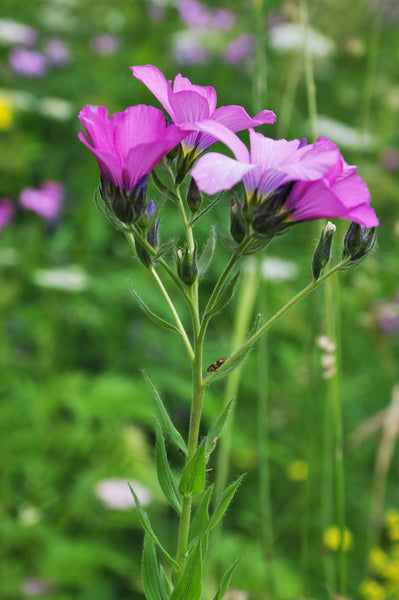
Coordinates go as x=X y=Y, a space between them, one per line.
x=237 y=223
x=323 y=250
x=126 y=207
x=194 y=197
x=358 y=243
x=187 y=265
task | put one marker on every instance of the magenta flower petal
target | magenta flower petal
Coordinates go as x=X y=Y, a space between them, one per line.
x=156 y=83
x=216 y=131
x=215 y=172
x=98 y=127
x=236 y=118
x=187 y=103
x=207 y=92
x=139 y=131
x=188 y=106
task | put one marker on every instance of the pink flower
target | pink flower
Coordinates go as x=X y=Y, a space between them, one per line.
x=6 y=212
x=28 y=62
x=57 y=52
x=188 y=105
x=44 y=201
x=239 y=49
x=286 y=181
x=105 y=44
x=128 y=145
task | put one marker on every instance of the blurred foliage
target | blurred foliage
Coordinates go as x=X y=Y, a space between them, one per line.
x=74 y=406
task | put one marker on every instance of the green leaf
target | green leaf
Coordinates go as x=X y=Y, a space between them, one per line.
x=225 y=296
x=170 y=429
x=200 y=522
x=145 y=521
x=165 y=476
x=217 y=429
x=226 y=579
x=207 y=254
x=155 y=318
x=223 y=503
x=193 y=478
x=189 y=585
x=164 y=583
x=153 y=586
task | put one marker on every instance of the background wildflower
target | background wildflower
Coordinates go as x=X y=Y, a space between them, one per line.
x=332 y=539
x=45 y=200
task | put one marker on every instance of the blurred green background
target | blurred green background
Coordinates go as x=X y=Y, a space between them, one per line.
x=75 y=410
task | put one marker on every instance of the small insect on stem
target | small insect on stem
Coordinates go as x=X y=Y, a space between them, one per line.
x=214 y=366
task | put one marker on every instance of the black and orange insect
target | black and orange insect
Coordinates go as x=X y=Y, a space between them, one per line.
x=214 y=366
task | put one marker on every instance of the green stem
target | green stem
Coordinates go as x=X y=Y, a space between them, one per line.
x=195 y=421
x=309 y=74
x=334 y=389
x=243 y=313
x=176 y=317
x=244 y=347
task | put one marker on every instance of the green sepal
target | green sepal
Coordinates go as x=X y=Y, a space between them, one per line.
x=207 y=254
x=145 y=521
x=193 y=477
x=168 y=426
x=223 y=504
x=224 y=297
x=163 y=248
x=189 y=585
x=154 y=584
x=218 y=427
x=164 y=188
x=155 y=318
x=229 y=243
x=200 y=522
x=165 y=475
x=226 y=579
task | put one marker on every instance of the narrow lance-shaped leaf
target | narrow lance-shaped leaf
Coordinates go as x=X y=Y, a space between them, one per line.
x=170 y=429
x=165 y=475
x=226 y=579
x=223 y=503
x=164 y=248
x=155 y=318
x=225 y=296
x=217 y=428
x=145 y=521
x=207 y=254
x=193 y=478
x=189 y=585
x=200 y=522
x=153 y=586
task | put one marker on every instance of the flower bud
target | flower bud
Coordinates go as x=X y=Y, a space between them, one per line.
x=358 y=243
x=323 y=250
x=194 y=197
x=237 y=222
x=126 y=207
x=187 y=265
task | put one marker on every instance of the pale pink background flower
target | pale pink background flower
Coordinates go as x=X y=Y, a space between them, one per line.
x=115 y=493
x=6 y=212
x=28 y=62
x=57 y=52
x=105 y=44
x=239 y=49
x=44 y=201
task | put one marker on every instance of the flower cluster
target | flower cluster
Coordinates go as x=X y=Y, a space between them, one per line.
x=284 y=182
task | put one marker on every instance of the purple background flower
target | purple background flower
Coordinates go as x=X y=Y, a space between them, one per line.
x=28 y=62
